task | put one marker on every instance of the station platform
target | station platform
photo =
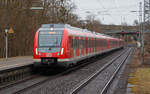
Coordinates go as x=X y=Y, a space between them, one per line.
x=15 y=62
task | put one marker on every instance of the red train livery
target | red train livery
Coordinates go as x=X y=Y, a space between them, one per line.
x=64 y=45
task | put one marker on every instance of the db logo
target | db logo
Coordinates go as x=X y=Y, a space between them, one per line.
x=48 y=55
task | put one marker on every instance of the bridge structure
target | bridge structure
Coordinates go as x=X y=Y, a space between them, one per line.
x=127 y=35
x=125 y=32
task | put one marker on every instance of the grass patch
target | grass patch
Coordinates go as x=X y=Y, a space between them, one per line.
x=141 y=80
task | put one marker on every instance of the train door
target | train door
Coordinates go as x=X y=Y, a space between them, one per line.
x=74 y=47
x=82 y=46
x=88 y=46
x=108 y=46
x=93 y=44
x=101 y=45
x=79 y=45
x=98 y=43
x=104 y=45
x=86 y=41
x=70 y=47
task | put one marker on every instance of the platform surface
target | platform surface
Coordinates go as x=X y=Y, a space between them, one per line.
x=15 y=62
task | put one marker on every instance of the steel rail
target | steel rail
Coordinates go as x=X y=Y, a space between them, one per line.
x=104 y=91
x=86 y=81
x=51 y=78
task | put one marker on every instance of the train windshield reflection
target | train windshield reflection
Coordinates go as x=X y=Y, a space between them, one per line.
x=50 y=39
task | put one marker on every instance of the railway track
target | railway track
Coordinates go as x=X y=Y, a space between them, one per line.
x=43 y=79
x=50 y=78
x=87 y=81
x=38 y=79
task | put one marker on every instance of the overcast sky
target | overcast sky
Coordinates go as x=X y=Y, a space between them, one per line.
x=109 y=11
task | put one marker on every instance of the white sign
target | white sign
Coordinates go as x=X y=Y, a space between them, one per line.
x=36 y=8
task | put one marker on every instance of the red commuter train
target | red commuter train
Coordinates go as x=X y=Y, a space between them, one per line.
x=64 y=45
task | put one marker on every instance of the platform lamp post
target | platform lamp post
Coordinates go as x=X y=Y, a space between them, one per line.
x=6 y=43
x=6 y=30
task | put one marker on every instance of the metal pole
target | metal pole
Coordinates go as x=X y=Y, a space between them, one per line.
x=140 y=22
x=149 y=12
x=6 y=31
x=142 y=34
x=140 y=27
x=6 y=43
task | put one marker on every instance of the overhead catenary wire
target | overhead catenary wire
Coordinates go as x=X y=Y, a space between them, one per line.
x=110 y=9
x=107 y=10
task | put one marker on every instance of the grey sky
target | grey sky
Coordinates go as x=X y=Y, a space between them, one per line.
x=109 y=11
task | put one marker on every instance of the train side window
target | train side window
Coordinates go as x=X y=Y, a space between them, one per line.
x=80 y=43
x=72 y=44
x=76 y=40
x=89 y=43
x=84 y=44
x=97 y=43
x=93 y=42
x=102 y=43
x=105 y=43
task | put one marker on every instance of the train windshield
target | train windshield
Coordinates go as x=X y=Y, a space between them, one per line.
x=50 y=38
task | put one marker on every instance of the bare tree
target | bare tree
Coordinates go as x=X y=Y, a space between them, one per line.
x=25 y=22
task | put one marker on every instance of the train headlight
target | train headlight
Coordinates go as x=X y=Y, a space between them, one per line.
x=36 y=51
x=62 y=50
x=52 y=29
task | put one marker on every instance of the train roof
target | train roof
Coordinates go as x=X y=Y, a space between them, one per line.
x=75 y=30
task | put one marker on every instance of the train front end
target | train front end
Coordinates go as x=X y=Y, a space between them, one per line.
x=49 y=45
